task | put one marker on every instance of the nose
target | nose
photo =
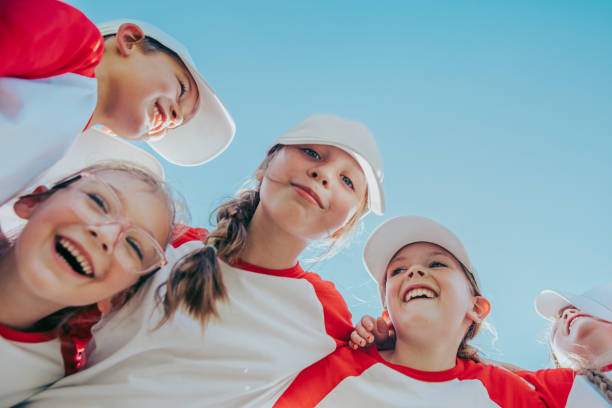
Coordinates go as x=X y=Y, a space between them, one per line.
x=320 y=175
x=568 y=313
x=106 y=235
x=415 y=271
x=175 y=114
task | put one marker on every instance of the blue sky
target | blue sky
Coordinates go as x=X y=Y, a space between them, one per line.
x=492 y=117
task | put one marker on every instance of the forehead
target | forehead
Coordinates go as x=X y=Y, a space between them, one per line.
x=416 y=249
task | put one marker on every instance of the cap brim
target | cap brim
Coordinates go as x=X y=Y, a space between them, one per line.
x=397 y=232
x=94 y=146
x=205 y=136
x=210 y=131
x=549 y=302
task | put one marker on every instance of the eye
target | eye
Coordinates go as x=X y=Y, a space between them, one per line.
x=310 y=152
x=134 y=247
x=348 y=182
x=99 y=202
x=437 y=264
x=397 y=271
x=183 y=88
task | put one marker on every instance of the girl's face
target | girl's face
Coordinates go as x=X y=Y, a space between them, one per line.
x=577 y=338
x=427 y=291
x=311 y=190
x=69 y=262
x=145 y=93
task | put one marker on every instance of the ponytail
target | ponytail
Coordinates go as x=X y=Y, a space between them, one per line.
x=196 y=282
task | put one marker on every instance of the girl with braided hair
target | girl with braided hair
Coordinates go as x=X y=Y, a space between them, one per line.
x=581 y=339
x=233 y=320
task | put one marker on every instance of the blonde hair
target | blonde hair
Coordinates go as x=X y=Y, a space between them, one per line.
x=196 y=282
x=61 y=318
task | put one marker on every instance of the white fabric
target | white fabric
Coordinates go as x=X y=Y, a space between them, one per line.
x=27 y=368
x=584 y=394
x=380 y=384
x=269 y=329
x=39 y=120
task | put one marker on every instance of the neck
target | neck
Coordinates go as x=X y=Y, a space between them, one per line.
x=268 y=245
x=422 y=355
x=20 y=308
x=603 y=360
x=98 y=117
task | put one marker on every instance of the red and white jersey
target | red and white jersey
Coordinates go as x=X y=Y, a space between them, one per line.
x=273 y=324
x=362 y=378
x=48 y=54
x=32 y=361
x=584 y=394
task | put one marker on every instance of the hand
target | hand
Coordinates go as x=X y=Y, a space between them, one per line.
x=370 y=331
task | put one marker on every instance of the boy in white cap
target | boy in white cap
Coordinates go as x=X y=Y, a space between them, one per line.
x=60 y=74
x=581 y=339
x=433 y=299
x=240 y=316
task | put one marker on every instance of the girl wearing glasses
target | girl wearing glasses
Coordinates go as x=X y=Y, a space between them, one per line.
x=90 y=240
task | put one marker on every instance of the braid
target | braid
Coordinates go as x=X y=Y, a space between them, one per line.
x=196 y=282
x=601 y=382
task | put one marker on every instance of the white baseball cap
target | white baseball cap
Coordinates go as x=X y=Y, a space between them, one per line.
x=95 y=146
x=596 y=302
x=352 y=137
x=210 y=131
x=395 y=233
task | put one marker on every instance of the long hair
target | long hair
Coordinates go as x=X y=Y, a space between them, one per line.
x=196 y=282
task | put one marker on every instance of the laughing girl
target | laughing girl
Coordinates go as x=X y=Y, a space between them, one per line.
x=93 y=238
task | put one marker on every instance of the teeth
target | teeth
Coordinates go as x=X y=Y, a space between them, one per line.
x=87 y=269
x=416 y=292
x=572 y=322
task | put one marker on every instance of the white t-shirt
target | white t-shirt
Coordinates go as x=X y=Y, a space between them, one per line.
x=30 y=362
x=584 y=394
x=362 y=378
x=273 y=324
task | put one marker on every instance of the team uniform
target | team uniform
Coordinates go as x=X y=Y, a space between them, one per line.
x=362 y=378
x=584 y=393
x=272 y=325
x=33 y=360
x=48 y=53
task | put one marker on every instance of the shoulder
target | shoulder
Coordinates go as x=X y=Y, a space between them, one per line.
x=338 y=318
x=51 y=38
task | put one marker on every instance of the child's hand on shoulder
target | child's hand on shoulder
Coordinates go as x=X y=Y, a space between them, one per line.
x=369 y=331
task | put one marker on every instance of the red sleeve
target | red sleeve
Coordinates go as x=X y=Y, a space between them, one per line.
x=552 y=385
x=45 y=38
x=318 y=380
x=338 y=318
x=184 y=233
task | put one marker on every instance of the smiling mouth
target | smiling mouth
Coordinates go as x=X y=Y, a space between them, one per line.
x=308 y=194
x=419 y=293
x=157 y=119
x=73 y=257
x=571 y=321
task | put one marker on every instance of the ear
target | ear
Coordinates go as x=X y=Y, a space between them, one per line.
x=24 y=207
x=106 y=305
x=259 y=174
x=480 y=310
x=129 y=35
